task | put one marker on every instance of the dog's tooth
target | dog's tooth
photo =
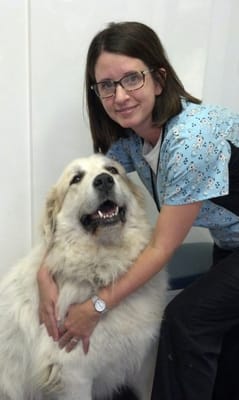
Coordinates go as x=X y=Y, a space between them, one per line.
x=109 y=214
x=100 y=214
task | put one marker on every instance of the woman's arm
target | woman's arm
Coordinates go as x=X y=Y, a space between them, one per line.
x=173 y=224
x=48 y=294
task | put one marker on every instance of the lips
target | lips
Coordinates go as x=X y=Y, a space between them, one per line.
x=108 y=213
x=126 y=110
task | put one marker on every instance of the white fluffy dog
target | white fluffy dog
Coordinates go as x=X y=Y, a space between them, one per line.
x=94 y=228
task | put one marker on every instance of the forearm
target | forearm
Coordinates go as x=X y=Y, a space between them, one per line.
x=48 y=294
x=151 y=261
x=172 y=226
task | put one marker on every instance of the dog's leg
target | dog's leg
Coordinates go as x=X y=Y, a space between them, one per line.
x=11 y=390
x=142 y=381
x=143 y=386
x=80 y=389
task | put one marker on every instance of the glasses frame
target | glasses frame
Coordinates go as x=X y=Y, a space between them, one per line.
x=94 y=87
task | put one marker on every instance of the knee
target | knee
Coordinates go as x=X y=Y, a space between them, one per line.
x=177 y=310
x=176 y=324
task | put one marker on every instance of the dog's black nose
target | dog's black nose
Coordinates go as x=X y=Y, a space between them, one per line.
x=103 y=182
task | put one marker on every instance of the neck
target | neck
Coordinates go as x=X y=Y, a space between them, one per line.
x=152 y=135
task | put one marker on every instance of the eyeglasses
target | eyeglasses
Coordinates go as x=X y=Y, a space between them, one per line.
x=132 y=81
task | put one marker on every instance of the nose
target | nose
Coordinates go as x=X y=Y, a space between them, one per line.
x=103 y=182
x=120 y=92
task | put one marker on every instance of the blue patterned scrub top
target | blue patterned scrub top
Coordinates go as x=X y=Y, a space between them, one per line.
x=198 y=161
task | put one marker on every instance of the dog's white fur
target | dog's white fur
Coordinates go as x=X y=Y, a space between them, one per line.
x=81 y=259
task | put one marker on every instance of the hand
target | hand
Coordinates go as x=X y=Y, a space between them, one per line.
x=48 y=294
x=79 y=324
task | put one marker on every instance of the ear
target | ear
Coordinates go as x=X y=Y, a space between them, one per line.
x=162 y=72
x=137 y=192
x=52 y=208
x=160 y=75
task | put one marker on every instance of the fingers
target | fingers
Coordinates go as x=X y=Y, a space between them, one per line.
x=50 y=322
x=86 y=344
x=52 y=328
x=70 y=342
x=65 y=340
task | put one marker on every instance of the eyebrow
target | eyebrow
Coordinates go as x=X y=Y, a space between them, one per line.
x=122 y=76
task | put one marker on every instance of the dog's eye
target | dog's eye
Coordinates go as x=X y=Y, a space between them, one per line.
x=113 y=170
x=77 y=178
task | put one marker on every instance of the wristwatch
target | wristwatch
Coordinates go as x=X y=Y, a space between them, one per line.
x=99 y=304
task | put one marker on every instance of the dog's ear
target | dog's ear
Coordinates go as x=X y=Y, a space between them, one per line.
x=52 y=208
x=137 y=192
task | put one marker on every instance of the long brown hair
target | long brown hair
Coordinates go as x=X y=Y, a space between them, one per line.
x=135 y=40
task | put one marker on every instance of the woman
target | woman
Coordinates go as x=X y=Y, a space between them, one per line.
x=187 y=156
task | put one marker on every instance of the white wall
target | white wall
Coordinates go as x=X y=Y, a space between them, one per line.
x=15 y=140
x=43 y=45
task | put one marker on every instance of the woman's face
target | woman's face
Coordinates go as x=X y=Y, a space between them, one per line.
x=129 y=109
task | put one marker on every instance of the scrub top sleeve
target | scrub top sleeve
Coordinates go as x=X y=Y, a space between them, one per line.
x=197 y=170
x=118 y=152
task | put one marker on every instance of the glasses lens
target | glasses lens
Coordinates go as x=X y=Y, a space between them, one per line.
x=133 y=81
x=105 y=88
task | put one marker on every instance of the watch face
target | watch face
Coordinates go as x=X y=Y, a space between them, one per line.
x=100 y=305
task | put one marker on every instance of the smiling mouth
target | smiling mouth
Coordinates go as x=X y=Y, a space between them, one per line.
x=127 y=110
x=108 y=213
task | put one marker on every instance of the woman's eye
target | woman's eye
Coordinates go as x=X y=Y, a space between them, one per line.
x=76 y=179
x=106 y=85
x=133 y=78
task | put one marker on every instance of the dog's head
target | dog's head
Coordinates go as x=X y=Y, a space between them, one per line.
x=93 y=194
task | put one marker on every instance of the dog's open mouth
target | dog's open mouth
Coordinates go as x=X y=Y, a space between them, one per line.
x=107 y=213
